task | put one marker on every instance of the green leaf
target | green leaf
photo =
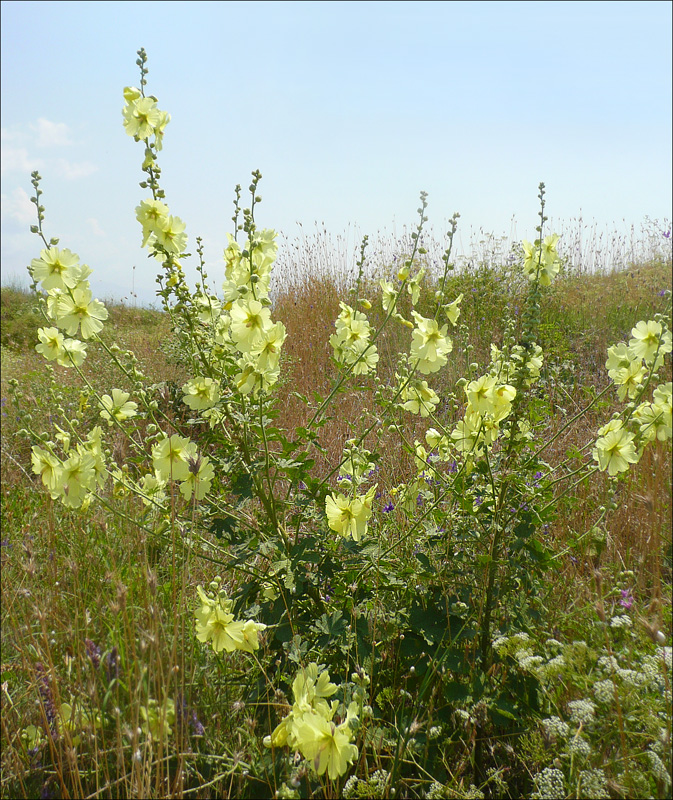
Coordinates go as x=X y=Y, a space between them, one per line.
x=425 y=561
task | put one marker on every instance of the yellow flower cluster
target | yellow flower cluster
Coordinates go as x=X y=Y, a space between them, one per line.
x=310 y=727
x=630 y=367
x=176 y=458
x=69 y=304
x=142 y=118
x=541 y=261
x=351 y=341
x=418 y=397
x=215 y=623
x=489 y=402
x=649 y=343
x=615 y=448
x=429 y=344
x=72 y=479
x=244 y=327
x=349 y=517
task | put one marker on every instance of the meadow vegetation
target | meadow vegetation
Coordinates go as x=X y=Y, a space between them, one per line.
x=395 y=533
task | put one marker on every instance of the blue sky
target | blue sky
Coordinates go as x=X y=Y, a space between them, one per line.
x=349 y=109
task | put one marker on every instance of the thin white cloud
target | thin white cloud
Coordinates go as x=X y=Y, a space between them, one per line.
x=7 y=136
x=17 y=206
x=51 y=134
x=16 y=159
x=71 y=170
x=96 y=229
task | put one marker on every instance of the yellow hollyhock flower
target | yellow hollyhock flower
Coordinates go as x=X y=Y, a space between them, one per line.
x=117 y=407
x=503 y=396
x=388 y=294
x=48 y=467
x=151 y=214
x=199 y=479
x=141 y=116
x=452 y=310
x=419 y=398
x=74 y=353
x=481 y=395
x=267 y=350
x=76 y=479
x=215 y=623
x=51 y=343
x=650 y=338
x=157 y=719
x=466 y=435
x=614 y=449
x=429 y=344
x=153 y=490
x=326 y=745
x=200 y=393
x=249 y=320
x=629 y=379
x=661 y=403
x=77 y=309
x=349 y=517
x=55 y=269
x=169 y=457
x=170 y=234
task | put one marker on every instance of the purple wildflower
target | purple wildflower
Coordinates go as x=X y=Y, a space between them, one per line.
x=627 y=599
x=195 y=725
x=112 y=664
x=93 y=651
x=388 y=507
x=44 y=687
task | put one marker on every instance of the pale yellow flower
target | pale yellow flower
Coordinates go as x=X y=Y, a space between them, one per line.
x=74 y=353
x=48 y=467
x=650 y=338
x=151 y=214
x=170 y=457
x=55 y=269
x=349 y=517
x=452 y=310
x=481 y=394
x=77 y=309
x=170 y=234
x=267 y=350
x=614 y=449
x=429 y=344
x=326 y=745
x=388 y=295
x=215 y=623
x=141 y=116
x=76 y=479
x=199 y=479
x=419 y=398
x=249 y=320
x=118 y=407
x=51 y=343
x=200 y=393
